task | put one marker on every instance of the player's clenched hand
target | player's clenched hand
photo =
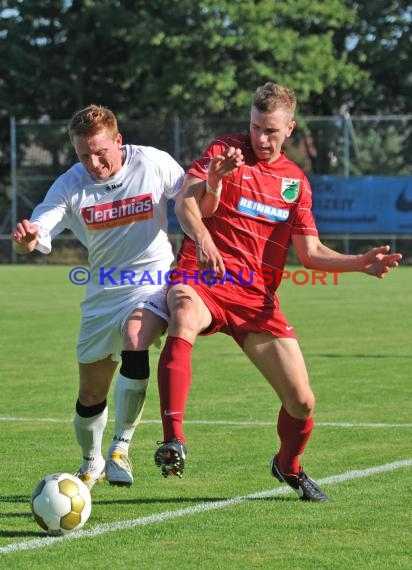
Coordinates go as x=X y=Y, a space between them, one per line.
x=378 y=261
x=209 y=258
x=223 y=164
x=25 y=235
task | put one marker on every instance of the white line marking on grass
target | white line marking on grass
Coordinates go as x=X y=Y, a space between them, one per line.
x=216 y=422
x=200 y=508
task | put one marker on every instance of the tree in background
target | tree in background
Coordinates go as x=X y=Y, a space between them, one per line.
x=379 y=42
x=193 y=57
x=199 y=58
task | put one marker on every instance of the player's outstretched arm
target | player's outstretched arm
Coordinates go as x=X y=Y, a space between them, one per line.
x=24 y=236
x=313 y=254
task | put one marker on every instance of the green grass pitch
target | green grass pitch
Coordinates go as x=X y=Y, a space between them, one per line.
x=226 y=512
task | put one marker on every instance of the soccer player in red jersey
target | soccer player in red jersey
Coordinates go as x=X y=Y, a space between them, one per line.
x=242 y=203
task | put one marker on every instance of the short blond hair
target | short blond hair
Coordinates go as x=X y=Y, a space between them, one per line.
x=91 y=120
x=272 y=96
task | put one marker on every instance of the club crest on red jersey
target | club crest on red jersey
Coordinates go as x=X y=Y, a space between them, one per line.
x=289 y=189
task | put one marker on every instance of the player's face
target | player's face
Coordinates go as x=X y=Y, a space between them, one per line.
x=268 y=132
x=101 y=156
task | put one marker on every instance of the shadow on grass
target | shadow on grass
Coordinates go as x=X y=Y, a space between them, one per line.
x=21 y=534
x=186 y=500
x=154 y=501
x=137 y=501
x=15 y=499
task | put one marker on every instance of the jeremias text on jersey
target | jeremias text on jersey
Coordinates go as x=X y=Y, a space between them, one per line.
x=118 y=213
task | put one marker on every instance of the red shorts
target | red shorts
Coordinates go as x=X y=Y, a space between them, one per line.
x=237 y=311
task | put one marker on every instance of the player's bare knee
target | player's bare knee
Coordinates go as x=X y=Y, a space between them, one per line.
x=183 y=312
x=92 y=394
x=184 y=321
x=301 y=408
x=188 y=314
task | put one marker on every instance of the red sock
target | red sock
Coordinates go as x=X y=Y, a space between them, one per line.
x=174 y=376
x=294 y=435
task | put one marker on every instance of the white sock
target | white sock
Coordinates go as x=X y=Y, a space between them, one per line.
x=89 y=435
x=129 y=398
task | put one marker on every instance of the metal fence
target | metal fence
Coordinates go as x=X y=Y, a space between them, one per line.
x=340 y=145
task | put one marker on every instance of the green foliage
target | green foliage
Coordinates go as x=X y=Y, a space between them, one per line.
x=199 y=58
x=379 y=43
x=191 y=58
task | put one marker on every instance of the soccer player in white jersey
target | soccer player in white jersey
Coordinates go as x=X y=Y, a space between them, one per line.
x=115 y=201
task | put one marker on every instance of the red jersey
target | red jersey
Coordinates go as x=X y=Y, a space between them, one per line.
x=261 y=206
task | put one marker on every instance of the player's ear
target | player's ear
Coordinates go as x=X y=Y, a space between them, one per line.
x=291 y=126
x=119 y=139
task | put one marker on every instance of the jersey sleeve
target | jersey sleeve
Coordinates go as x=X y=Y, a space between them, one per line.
x=173 y=175
x=303 y=222
x=170 y=172
x=51 y=215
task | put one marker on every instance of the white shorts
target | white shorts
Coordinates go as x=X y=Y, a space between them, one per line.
x=101 y=331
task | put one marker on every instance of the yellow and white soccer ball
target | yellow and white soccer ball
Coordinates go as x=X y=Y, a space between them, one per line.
x=61 y=503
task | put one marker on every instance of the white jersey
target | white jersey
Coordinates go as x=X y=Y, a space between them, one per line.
x=122 y=221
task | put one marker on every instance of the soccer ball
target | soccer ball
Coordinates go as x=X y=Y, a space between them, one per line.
x=61 y=503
